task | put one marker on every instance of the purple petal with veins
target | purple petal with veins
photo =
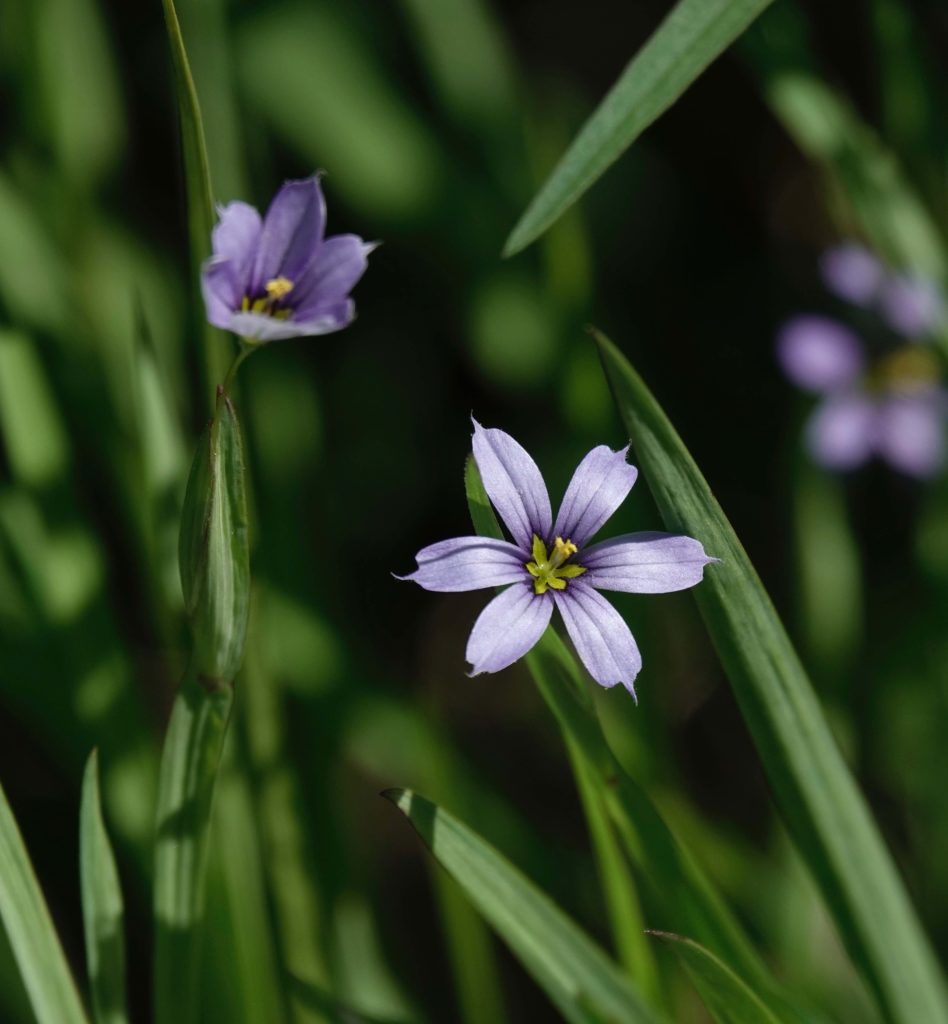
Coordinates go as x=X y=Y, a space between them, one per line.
x=507 y=628
x=513 y=484
x=601 y=483
x=645 y=563
x=468 y=563
x=603 y=641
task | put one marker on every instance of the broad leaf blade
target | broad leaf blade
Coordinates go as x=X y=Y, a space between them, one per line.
x=818 y=797
x=692 y=36
x=574 y=972
x=728 y=998
x=103 y=911
x=31 y=933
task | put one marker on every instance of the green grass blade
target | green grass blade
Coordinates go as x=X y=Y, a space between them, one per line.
x=200 y=193
x=31 y=933
x=818 y=797
x=189 y=765
x=728 y=998
x=692 y=36
x=584 y=984
x=103 y=911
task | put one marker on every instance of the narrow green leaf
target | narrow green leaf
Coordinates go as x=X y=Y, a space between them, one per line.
x=313 y=998
x=200 y=192
x=693 y=35
x=823 y=807
x=728 y=998
x=189 y=764
x=31 y=933
x=103 y=911
x=578 y=977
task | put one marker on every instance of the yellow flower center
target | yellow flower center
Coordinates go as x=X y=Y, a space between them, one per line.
x=276 y=289
x=910 y=368
x=551 y=570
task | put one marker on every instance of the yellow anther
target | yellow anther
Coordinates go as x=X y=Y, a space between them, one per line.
x=278 y=287
x=908 y=369
x=550 y=571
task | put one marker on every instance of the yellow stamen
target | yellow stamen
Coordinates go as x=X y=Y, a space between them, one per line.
x=549 y=570
x=278 y=287
x=910 y=368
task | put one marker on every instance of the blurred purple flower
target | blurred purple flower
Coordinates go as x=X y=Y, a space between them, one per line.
x=544 y=570
x=819 y=354
x=898 y=412
x=913 y=306
x=279 y=277
x=851 y=272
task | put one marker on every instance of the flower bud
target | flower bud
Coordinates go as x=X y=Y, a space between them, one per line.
x=213 y=549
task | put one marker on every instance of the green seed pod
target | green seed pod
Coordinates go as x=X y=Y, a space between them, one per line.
x=213 y=549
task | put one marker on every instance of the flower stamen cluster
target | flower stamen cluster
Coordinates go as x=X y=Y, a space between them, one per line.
x=551 y=570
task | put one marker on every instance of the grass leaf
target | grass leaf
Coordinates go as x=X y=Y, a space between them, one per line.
x=103 y=911
x=574 y=972
x=728 y=998
x=200 y=193
x=823 y=807
x=693 y=35
x=31 y=933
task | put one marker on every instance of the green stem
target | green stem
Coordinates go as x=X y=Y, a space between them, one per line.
x=189 y=766
x=243 y=352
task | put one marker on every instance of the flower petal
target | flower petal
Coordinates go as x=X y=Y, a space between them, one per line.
x=235 y=238
x=913 y=306
x=599 y=486
x=325 y=319
x=819 y=354
x=513 y=484
x=841 y=432
x=331 y=274
x=263 y=328
x=467 y=563
x=852 y=272
x=221 y=291
x=601 y=638
x=910 y=433
x=507 y=628
x=645 y=563
x=292 y=232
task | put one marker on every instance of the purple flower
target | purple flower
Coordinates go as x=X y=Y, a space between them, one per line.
x=897 y=411
x=549 y=564
x=280 y=277
x=851 y=272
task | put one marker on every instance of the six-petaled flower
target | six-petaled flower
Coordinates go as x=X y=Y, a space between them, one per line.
x=279 y=276
x=549 y=563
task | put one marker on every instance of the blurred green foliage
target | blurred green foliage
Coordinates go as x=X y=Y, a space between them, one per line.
x=435 y=122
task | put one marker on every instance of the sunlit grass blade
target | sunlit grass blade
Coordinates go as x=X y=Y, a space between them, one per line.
x=103 y=910
x=31 y=933
x=727 y=997
x=583 y=983
x=200 y=193
x=823 y=807
x=693 y=35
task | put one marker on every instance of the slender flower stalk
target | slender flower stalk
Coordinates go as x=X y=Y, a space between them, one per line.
x=550 y=564
x=269 y=278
